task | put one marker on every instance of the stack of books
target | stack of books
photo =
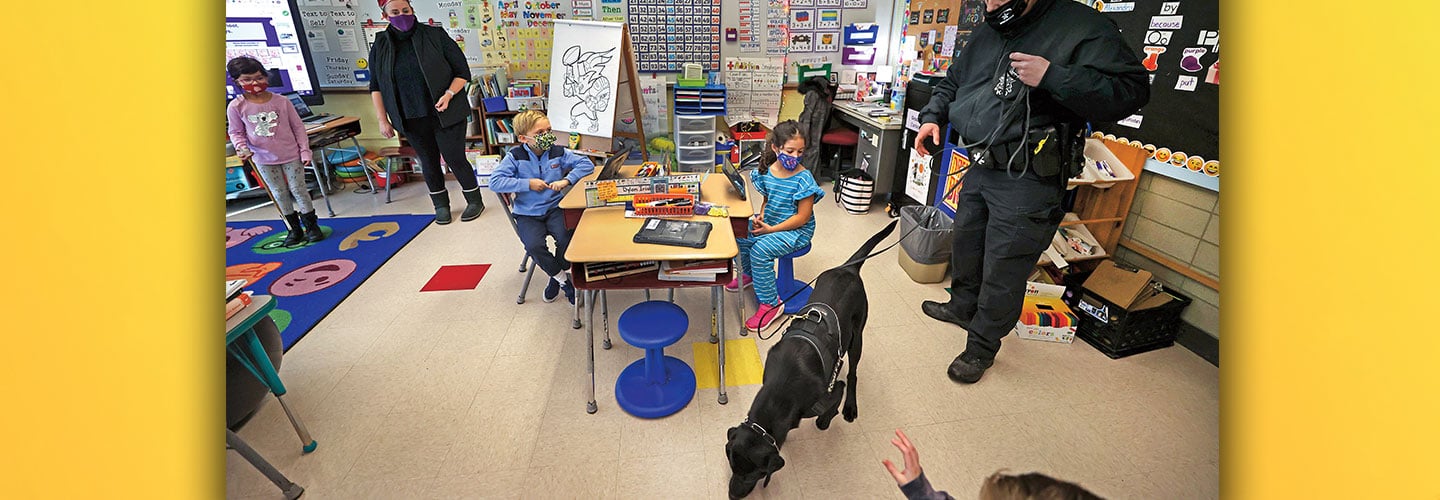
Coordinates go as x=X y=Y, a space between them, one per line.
x=500 y=131
x=596 y=271
x=236 y=297
x=526 y=88
x=693 y=270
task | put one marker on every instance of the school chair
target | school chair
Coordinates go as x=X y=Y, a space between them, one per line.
x=656 y=385
x=786 y=284
x=507 y=200
x=837 y=140
x=410 y=158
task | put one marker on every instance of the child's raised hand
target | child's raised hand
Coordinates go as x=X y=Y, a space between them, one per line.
x=912 y=460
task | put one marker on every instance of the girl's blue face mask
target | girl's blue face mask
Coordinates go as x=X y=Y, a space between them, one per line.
x=788 y=162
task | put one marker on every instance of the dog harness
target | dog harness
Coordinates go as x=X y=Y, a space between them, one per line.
x=809 y=324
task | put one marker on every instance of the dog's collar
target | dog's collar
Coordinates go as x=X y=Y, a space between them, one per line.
x=768 y=438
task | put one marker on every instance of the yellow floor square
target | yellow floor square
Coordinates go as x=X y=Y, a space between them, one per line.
x=742 y=364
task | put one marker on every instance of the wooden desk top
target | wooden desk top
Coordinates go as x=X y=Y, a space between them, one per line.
x=716 y=189
x=859 y=111
x=332 y=125
x=606 y=235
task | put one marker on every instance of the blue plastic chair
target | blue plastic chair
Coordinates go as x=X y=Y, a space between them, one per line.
x=786 y=284
x=656 y=385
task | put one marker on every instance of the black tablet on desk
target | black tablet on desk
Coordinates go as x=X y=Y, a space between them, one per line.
x=679 y=233
x=611 y=170
x=735 y=180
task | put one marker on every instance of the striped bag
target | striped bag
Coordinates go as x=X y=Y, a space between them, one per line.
x=853 y=191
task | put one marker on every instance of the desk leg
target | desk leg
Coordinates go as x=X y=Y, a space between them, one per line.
x=720 y=316
x=291 y=490
x=605 y=317
x=740 y=307
x=578 y=304
x=272 y=380
x=590 y=407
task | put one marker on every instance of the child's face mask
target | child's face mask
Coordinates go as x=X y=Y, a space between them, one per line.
x=788 y=162
x=544 y=140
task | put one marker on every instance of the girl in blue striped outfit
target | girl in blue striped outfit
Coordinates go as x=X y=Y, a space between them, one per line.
x=786 y=221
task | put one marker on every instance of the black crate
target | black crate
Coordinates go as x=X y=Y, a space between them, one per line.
x=1123 y=333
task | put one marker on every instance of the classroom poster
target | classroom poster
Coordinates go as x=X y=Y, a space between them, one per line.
x=855 y=4
x=669 y=33
x=827 y=41
x=917 y=178
x=318 y=42
x=585 y=68
x=801 y=42
x=528 y=32
x=583 y=9
x=828 y=19
x=656 y=106
x=611 y=11
x=766 y=77
x=828 y=3
x=801 y=19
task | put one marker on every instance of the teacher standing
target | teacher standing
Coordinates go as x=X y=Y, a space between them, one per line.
x=417 y=71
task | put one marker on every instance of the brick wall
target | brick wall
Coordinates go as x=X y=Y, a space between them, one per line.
x=1182 y=222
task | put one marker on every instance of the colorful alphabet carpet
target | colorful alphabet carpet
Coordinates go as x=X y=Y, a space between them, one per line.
x=309 y=281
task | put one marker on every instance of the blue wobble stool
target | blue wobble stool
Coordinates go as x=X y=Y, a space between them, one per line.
x=786 y=284
x=657 y=385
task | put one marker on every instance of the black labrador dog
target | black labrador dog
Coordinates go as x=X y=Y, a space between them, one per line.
x=801 y=372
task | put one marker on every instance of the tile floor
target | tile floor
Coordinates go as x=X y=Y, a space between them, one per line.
x=465 y=394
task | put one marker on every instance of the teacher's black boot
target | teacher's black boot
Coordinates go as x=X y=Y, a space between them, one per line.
x=441 y=200
x=474 y=204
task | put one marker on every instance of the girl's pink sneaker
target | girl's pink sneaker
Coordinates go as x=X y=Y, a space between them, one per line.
x=764 y=317
x=739 y=282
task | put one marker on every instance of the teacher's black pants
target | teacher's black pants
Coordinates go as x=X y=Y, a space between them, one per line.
x=431 y=141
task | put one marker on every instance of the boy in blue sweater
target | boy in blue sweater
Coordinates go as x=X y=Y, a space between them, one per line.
x=538 y=172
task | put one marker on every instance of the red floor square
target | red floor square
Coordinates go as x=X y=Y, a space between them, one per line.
x=465 y=277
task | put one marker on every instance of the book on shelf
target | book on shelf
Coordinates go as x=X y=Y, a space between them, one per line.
x=595 y=271
x=707 y=267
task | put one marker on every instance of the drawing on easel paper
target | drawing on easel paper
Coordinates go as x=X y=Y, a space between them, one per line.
x=585 y=66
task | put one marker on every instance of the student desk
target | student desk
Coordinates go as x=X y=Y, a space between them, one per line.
x=242 y=342
x=878 y=150
x=604 y=234
x=321 y=138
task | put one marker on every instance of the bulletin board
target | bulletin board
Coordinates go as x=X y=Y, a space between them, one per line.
x=941 y=28
x=340 y=33
x=1179 y=43
x=517 y=33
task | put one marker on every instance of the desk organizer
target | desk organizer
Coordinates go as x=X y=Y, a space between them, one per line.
x=667 y=204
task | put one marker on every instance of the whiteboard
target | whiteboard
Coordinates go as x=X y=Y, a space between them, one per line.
x=584 y=70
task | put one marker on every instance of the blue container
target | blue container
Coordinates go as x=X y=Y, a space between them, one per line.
x=493 y=104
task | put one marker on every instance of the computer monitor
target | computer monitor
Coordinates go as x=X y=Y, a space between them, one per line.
x=270 y=31
x=299 y=103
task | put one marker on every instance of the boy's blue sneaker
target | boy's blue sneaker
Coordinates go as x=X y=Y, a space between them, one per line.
x=569 y=291
x=552 y=290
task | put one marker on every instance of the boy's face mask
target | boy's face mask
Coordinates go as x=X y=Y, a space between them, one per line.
x=544 y=140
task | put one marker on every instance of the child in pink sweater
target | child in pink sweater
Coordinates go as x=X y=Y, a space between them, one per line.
x=266 y=128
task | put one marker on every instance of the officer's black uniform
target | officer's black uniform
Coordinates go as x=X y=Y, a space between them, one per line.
x=1006 y=219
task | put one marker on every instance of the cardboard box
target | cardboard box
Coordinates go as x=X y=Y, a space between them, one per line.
x=1045 y=315
x=1133 y=290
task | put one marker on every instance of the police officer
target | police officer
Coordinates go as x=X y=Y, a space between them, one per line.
x=1018 y=97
